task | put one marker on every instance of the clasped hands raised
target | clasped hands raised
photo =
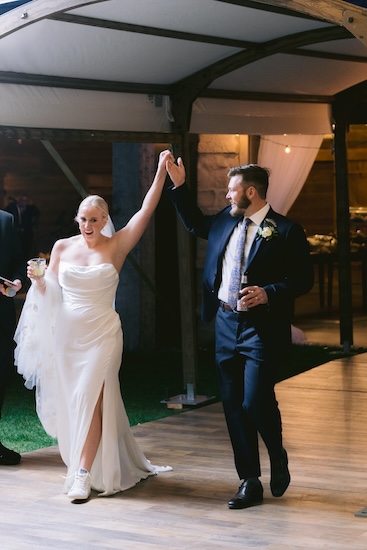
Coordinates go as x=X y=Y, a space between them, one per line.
x=176 y=171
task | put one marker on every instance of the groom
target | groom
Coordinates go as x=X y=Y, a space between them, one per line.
x=253 y=325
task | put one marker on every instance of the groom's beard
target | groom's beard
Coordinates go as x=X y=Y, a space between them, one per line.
x=239 y=209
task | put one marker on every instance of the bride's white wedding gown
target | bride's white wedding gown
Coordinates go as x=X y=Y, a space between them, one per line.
x=69 y=345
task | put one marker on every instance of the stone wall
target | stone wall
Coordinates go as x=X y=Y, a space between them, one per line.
x=216 y=155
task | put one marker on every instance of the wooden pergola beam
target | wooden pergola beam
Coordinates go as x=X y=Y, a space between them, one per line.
x=37 y=10
x=340 y=12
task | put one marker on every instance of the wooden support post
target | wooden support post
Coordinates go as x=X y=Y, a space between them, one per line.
x=340 y=113
x=187 y=284
x=133 y=167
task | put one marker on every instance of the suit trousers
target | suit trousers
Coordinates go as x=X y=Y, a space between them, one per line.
x=7 y=344
x=246 y=368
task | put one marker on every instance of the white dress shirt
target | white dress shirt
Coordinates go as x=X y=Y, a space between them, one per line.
x=229 y=253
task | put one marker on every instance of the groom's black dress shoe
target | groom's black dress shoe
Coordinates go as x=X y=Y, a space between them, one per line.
x=8 y=457
x=249 y=494
x=280 y=476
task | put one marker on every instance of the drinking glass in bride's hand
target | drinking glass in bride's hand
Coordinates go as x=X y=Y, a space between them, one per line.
x=38 y=266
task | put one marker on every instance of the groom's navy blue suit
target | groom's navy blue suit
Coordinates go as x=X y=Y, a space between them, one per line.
x=250 y=345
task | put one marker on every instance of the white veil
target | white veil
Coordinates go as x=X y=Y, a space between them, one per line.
x=36 y=350
x=109 y=228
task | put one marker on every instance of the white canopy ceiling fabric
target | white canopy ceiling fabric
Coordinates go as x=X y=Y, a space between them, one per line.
x=216 y=116
x=114 y=58
x=40 y=107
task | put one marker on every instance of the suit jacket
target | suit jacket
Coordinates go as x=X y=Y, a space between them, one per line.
x=12 y=266
x=12 y=262
x=281 y=265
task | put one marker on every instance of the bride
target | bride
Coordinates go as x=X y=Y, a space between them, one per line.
x=69 y=345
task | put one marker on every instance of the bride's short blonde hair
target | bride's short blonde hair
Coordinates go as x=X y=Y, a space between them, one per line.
x=93 y=200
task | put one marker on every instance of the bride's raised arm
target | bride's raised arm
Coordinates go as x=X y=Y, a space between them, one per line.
x=127 y=237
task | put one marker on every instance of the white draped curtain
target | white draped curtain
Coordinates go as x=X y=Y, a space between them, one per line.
x=288 y=171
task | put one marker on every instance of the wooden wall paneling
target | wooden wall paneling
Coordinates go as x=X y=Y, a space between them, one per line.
x=314 y=207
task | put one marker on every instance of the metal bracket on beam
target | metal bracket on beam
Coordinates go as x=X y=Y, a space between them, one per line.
x=188 y=399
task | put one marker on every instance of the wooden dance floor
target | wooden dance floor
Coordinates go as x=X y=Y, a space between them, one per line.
x=325 y=432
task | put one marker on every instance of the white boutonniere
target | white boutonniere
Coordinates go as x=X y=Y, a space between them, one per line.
x=268 y=230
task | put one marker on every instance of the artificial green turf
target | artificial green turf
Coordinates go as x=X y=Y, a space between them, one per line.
x=146 y=380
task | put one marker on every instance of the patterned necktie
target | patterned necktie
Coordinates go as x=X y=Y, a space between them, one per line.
x=235 y=279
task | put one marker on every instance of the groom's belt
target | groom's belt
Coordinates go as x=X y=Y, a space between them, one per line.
x=227 y=307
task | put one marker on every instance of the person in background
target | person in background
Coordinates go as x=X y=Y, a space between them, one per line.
x=76 y=338
x=257 y=263
x=12 y=268
x=26 y=215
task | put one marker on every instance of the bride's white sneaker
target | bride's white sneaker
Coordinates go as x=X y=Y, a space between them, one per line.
x=82 y=486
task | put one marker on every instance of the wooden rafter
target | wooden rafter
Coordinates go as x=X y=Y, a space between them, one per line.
x=37 y=10
x=340 y=12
